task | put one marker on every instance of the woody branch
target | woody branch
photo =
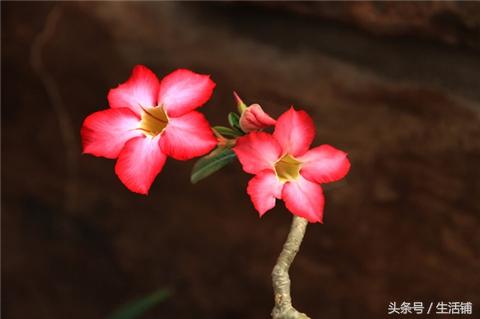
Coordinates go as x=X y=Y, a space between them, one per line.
x=283 y=308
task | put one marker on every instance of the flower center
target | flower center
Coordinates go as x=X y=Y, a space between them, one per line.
x=287 y=168
x=154 y=120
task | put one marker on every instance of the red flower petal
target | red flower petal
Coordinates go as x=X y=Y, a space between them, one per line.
x=254 y=119
x=304 y=198
x=187 y=136
x=139 y=163
x=263 y=189
x=294 y=131
x=324 y=164
x=140 y=90
x=183 y=91
x=104 y=133
x=257 y=151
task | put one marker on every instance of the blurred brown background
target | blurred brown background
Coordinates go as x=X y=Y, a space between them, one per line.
x=395 y=85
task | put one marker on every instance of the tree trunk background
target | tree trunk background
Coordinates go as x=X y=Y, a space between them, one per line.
x=401 y=95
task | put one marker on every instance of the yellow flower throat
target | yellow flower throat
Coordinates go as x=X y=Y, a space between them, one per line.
x=287 y=168
x=153 y=121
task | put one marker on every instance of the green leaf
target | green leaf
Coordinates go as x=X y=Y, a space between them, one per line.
x=207 y=165
x=233 y=120
x=138 y=307
x=226 y=131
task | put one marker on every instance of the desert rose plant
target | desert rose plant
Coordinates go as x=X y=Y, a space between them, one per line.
x=151 y=119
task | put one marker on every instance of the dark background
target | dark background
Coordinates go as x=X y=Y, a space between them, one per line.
x=395 y=85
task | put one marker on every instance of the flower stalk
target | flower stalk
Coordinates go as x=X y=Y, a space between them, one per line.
x=283 y=308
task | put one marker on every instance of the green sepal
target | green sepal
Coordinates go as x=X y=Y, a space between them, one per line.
x=209 y=164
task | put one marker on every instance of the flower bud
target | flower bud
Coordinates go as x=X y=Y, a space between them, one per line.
x=253 y=118
x=240 y=105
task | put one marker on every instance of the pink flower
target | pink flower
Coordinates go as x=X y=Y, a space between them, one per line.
x=252 y=118
x=286 y=169
x=149 y=120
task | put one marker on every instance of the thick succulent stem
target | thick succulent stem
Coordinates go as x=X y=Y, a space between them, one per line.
x=283 y=308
